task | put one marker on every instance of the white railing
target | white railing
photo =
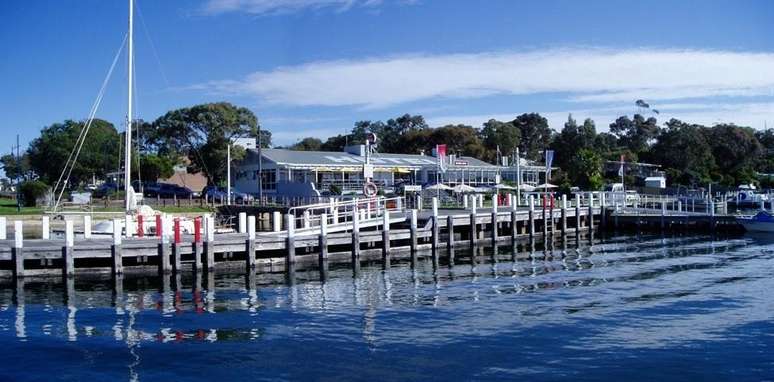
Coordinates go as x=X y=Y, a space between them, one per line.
x=340 y=215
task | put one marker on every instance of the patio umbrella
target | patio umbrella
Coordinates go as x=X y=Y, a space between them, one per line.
x=438 y=187
x=545 y=185
x=464 y=189
x=502 y=187
x=526 y=187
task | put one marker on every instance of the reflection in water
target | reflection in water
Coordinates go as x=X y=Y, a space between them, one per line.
x=624 y=293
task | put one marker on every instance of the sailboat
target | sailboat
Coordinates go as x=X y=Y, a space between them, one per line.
x=131 y=207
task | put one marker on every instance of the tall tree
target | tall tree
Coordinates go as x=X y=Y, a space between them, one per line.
x=535 y=134
x=307 y=144
x=684 y=153
x=736 y=151
x=99 y=154
x=502 y=135
x=637 y=134
x=202 y=132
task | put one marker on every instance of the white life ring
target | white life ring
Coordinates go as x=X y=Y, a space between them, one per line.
x=370 y=189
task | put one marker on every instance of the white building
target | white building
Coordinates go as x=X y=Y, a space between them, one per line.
x=289 y=173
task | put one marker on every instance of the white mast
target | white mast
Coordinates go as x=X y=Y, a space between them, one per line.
x=128 y=145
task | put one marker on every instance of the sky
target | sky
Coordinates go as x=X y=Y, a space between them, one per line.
x=314 y=67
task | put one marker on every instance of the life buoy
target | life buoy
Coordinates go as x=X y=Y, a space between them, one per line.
x=369 y=189
x=742 y=196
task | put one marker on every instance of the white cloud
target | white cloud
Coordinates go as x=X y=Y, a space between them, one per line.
x=272 y=7
x=587 y=75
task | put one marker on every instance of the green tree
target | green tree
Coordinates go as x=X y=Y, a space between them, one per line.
x=99 y=153
x=336 y=143
x=202 y=133
x=307 y=144
x=684 y=153
x=15 y=167
x=637 y=134
x=535 y=134
x=571 y=139
x=496 y=134
x=156 y=166
x=736 y=151
x=31 y=191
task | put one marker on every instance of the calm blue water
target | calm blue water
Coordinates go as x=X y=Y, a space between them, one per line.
x=628 y=308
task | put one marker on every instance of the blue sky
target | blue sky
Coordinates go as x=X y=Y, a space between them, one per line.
x=313 y=67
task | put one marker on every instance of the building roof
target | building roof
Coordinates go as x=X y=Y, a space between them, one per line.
x=344 y=159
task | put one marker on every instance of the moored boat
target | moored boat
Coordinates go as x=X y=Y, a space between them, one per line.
x=763 y=221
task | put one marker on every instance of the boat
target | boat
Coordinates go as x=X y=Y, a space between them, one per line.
x=763 y=221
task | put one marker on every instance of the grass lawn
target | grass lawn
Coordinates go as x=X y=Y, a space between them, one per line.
x=8 y=208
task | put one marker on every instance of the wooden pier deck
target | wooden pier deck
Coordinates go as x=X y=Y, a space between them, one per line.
x=383 y=233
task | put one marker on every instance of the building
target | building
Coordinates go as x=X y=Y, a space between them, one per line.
x=289 y=173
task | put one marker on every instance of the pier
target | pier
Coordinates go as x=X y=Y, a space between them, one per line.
x=350 y=231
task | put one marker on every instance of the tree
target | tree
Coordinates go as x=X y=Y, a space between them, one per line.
x=496 y=134
x=307 y=144
x=202 y=132
x=14 y=167
x=392 y=134
x=637 y=134
x=571 y=139
x=336 y=143
x=684 y=153
x=585 y=170
x=156 y=166
x=535 y=134
x=31 y=191
x=459 y=139
x=736 y=150
x=99 y=153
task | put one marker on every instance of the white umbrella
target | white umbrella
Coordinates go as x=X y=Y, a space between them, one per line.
x=464 y=188
x=438 y=187
x=526 y=187
x=502 y=187
x=546 y=185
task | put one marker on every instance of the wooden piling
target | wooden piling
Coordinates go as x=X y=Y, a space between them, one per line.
x=473 y=230
x=356 y=235
x=413 y=230
x=450 y=230
x=436 y=225
x=494 y=220
x=117 y=264
x=242 y=222
x=577 y=213
x=17 y=253
x=564 y=215
x=386 y=236
x=290 y=242
x=68 y=267
x=531 y=216
x=590 y=218
x=250 y=244
x=3 y=229
x=514 y=225
x=276 y=221
x=322 y=239
x=209 y=242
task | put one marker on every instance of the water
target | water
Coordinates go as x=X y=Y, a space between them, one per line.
x=628 y=308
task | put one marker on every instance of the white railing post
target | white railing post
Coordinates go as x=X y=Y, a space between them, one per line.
x=87 y=226
x=45 y=228
x=242 y=222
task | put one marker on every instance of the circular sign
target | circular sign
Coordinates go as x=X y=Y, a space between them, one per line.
x=369 y=189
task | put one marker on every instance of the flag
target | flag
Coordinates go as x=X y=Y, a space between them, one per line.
x=621 y=169
x=549 y=160
x=440 y=153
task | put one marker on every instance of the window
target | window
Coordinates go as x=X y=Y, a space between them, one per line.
x=269 y=179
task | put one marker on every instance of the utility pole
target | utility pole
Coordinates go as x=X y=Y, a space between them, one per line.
x=18 y=170
x=260 y=168
x=228 y=173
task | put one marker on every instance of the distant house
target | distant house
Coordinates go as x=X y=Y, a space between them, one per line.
x=181 y=177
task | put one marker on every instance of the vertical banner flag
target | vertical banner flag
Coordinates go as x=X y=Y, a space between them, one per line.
x=440 y=153
x=549 y=160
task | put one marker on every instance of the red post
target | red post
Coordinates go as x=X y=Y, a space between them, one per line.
x=159 y=228
x=139 y=226
x=177 y=230
x=198 y=229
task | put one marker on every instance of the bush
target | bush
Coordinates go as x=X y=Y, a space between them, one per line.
x=31 y=191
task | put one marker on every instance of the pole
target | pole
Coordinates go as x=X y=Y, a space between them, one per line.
x=18 y=170
x=518 y=177
x=260 y=168
x=128 y=144
x=228 y=173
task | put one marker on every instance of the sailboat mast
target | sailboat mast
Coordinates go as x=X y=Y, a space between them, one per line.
x=128 y=145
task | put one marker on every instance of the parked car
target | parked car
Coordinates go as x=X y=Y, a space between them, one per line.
x=167 y=190
x=104 y=189
x=219 y=193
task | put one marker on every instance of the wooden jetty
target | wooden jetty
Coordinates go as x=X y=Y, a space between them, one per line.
x=335 y=231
